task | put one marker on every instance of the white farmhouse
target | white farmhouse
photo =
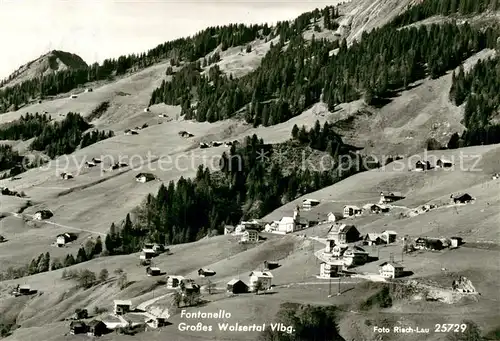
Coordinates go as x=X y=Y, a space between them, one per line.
x=264 y=277
x=291 y=224
x=391 y=270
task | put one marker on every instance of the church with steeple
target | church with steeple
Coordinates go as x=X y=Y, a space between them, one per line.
x=292 y=224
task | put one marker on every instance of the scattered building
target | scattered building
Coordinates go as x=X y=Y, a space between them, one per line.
x=422 y=165
x=144 y=177
x=391 y=270
x=148 y=253
x=146 y=109
x=237 y=286
x=270 y=265
x=442 y=163
x=162 y=115
x=264 y=277
x=389 y=236
x=249 y=236
x=96 y=160
x=420 y=243
x=157 y=316
x=203 y=145
x=390 y=197
x=174 y=281
x=73 y=96
x=372 y=239
x=89 y=90
x=229 y=229
x=464 y=198
x=215 y=144
x=352 y=211
x=122 y=307
x=333 y=217
x=378 y=208
x=456 y=242
x=331 y=269
x=90 y=164
x=343 y=233
x=355 y=256
x=206 y=272
x=153 y=271
x=307 y=204
x=63 y=239
x=77 y=327
x=188 y=286
x=43 y=214
x=66 y=176
x=96 y=328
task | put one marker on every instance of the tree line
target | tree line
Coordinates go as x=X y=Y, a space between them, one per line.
x=246 y=186
x=44 y=262
x=428 y=8
x=184 y=49
x=296 y=74
x=478 y=89
x=52 y=138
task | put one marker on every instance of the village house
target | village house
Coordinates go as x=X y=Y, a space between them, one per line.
x=333 y=217
x=242 y=226
x=464 y=198
x=146 y=109
x=206 y=272
x=331 y=269
x=153 y=271
x=89 y=90
x=43 y=214
x=307 y=204
x=21 y=290
x=355 y=256
x=456 y=242
x=122 y=307
x=174 y=281
x=264 y=277
x=378 y=208
x=96 y=328
x=157 y=317
x=442 y=163
x=189 y=286
x=148 y=253
x=352 y=211
x=90 y=164
x=144 y=177
x=420 y=243
x=389 y=236
x=66 y=176
x=237 y=286
x=203 y=145
x=77 y=327
x=63 y=239
x=73 y=96
x=338 y=250
x=215 y=144
x=343 y=233
x=422 y=165
x=391 y=270
x=390 y=197
x=270 y=265
x=250 y=236
x=228 y=229
x=372 y=239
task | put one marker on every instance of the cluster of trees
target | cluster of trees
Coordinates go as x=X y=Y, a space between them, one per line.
x=94 y=137
x=26 y=127
x=293 y=76
x=478 y=89
x=184 y=49
x=9 y=158
x=98 y=111
x=247 y=186
x=310 y=323
x=86 y=278
x=44 y=263
x=187 y=299
x=428 y=8
x=321 y=138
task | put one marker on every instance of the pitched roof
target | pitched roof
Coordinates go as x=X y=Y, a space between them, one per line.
x=234 y=281
x=389 y=232
x=394 y=264
x=287 y=220
x=372 y=236
x=352 y=206
x=94 y=323
x=123 y=302
x=393 y=194
x=155 y=269
x=261 y=274
x=340 y=228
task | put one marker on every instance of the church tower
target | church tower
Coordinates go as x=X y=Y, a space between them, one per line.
x=296 y=214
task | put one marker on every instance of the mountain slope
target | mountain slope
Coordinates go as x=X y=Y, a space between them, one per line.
x=44 y=65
